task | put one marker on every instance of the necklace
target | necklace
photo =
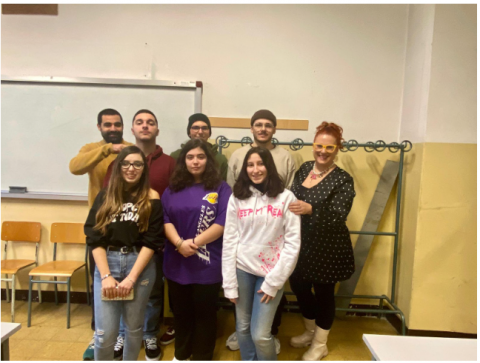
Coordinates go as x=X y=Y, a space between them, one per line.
x=314 y=175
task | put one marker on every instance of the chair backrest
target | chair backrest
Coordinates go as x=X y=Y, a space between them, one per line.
x=67 y=233
x=21 y=231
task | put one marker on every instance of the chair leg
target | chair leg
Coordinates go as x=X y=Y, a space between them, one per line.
x=88 y=285
x=56 y=291
x=68 y=303
x=13 y=298
x=7 y=290
x=39 y=287
x=30 y=302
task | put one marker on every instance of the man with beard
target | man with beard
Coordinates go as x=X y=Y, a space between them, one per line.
x=94 y=159
x=263 y=127
x=160 y=165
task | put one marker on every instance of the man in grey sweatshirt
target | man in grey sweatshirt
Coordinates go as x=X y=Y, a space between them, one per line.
x=263 y=128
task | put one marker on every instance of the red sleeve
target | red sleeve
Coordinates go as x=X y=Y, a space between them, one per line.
x=172 y=167
x=108 y=175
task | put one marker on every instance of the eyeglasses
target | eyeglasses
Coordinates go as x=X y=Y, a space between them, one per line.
x=198 y=128
x=137 y=165
x=260 y=126
x=328 y=148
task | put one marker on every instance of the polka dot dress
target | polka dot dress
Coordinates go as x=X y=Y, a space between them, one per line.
x=326 y=253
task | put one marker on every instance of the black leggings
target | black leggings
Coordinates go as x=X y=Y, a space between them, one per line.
x=195 y=311
x=319 y=306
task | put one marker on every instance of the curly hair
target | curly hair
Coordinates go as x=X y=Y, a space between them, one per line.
x=273 y=183
x=181 y=177
x=332 y=129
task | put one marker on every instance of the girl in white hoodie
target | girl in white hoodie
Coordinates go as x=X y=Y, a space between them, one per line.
x=261 y=243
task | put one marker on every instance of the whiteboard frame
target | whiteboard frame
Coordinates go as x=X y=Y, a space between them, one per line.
x=118 y=82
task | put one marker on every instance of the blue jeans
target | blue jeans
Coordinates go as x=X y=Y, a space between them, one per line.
x=254 y=319
x=108 y=313
x=154 y=309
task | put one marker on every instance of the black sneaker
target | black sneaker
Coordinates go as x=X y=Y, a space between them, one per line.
x=152 y=350
x=118 y=349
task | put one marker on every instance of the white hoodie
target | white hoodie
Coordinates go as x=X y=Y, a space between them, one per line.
x=261 y=237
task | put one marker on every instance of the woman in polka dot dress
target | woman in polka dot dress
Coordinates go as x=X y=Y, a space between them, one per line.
x=325 y=195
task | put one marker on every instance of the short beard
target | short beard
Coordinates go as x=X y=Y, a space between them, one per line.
x=261 y=143
x=114 y=139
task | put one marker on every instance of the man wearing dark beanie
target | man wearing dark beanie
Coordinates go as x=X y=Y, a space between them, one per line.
x=263 y=127
x=264 y=114
x=199 y=128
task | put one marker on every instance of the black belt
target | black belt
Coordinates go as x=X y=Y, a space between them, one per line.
x=123 y=249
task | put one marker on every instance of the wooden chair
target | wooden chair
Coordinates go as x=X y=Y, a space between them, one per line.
x=18 y=232
x=60 y=233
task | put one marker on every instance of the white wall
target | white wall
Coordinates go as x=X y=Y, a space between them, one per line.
x=341 y=63
x=452 y=111
x=418 y=59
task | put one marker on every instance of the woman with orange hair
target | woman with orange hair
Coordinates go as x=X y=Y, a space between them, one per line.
x=325 y=195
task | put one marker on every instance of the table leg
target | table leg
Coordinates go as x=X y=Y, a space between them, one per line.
x=5 y=350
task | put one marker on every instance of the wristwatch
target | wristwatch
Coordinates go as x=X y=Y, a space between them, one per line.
x=104 y=277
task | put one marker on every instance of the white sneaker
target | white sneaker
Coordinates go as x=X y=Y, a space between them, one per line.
x=277 y=345
x=232 y=342
x=179 y=360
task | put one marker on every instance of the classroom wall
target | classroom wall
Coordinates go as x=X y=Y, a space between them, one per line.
x=445 y=278
x=340 y=63
x=371 y=68
x=438 y=266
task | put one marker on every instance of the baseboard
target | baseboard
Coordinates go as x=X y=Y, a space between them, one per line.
x=76 y=297
x=81 y=298
x=397 y=324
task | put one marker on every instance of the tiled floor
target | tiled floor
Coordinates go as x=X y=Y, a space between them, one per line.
x=49 y=339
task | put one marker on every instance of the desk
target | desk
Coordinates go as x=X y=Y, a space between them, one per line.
x=8 y=329
x=405 y=348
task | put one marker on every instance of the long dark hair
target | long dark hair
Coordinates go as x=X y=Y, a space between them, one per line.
x=181 y=177
x=273 y=183
x=115 y=196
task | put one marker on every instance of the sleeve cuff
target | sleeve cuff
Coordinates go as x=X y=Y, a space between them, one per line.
x=230 y=293
x=269 y=290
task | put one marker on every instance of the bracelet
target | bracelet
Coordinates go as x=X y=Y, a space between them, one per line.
x=193 y=240
x=133 y=282
x=180 y=243
x=107 y=275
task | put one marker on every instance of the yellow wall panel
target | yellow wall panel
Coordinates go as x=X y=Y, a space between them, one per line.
x=45 y=212
x=445 y=268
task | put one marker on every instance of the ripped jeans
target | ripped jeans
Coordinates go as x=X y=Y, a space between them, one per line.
x=108 y=313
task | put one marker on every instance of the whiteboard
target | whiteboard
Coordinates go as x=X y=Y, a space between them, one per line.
x=44 y=125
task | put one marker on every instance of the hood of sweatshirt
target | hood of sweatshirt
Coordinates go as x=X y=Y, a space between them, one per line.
x=156 y=154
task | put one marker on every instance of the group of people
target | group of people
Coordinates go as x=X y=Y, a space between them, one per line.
x=248 y=225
